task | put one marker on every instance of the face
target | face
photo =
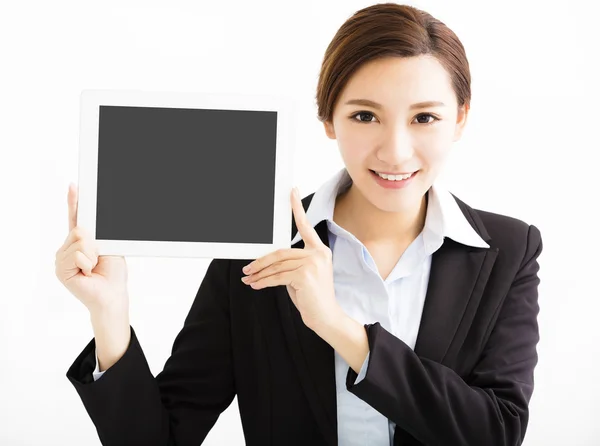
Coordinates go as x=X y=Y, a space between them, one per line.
x=394 y=133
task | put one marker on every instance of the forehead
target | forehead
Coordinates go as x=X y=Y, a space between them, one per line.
x=400 y=79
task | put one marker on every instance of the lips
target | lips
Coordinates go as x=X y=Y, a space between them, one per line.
x=393 y=185
x=412 y=173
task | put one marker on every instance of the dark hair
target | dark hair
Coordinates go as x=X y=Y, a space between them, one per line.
x=383 y=30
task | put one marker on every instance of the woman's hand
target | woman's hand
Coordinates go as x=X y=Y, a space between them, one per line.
x=307 y=273
x=98 y=281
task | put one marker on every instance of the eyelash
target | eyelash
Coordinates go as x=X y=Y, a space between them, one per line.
x=352 y=117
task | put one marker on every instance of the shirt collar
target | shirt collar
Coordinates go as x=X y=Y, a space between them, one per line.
x=444 y=217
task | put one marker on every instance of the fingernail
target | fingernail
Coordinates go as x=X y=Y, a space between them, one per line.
x=246 y=269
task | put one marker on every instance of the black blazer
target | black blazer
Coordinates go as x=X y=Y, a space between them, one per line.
x=467 y=382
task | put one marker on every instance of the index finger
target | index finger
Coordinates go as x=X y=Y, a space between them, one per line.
x=308 y=233
x=72 y=200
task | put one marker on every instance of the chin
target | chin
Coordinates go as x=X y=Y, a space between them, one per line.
x=397 y=206
x=395 y=200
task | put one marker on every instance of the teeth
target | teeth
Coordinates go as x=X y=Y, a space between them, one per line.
x=394 y=177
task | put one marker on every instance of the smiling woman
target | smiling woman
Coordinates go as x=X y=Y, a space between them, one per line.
x=399 y=316
x=396 y=145
x=411 y=75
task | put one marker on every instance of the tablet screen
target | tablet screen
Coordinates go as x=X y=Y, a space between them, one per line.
x=185 y=175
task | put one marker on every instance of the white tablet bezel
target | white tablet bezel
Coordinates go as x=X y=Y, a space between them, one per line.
x=90 y=102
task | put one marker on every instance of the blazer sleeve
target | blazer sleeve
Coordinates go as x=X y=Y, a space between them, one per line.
x=491 y=407
x=130 y=407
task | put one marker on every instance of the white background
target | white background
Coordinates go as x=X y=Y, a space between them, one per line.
x=530 y=150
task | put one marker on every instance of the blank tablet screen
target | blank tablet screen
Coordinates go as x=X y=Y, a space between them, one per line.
x=189 y=175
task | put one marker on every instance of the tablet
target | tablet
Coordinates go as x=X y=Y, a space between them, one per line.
x=178 y=174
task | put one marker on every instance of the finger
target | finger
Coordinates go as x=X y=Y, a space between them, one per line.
x=76 y=256
x=76 y=259
x=83 y=263
x=81 y=245
x=308 y=233
x=86 y=248
x=78 y=233
x=281 y=278
x=74 y=235
x=288 y=265
x=72 y=200
x=279 y=255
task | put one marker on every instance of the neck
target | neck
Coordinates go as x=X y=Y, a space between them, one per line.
x=370 y=224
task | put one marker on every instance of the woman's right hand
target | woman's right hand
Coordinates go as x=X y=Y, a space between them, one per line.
x=99 y=282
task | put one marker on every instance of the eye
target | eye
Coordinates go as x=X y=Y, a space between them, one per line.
x=371 y=115
x=362 y=113
x=427 y=115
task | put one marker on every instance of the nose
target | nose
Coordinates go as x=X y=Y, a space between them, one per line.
x=396 y=149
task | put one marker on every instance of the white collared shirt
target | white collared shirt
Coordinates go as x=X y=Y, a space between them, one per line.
x=396 y=302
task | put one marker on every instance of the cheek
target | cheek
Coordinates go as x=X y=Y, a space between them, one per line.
x=433 y=154
x=354 y=149
x=434 y=147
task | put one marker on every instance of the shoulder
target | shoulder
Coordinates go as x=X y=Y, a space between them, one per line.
x=506 y=233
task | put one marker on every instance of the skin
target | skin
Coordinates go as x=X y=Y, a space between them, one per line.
x=393 y=138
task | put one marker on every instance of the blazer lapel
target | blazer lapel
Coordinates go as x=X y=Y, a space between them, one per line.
x=314 y=358
x=457 y=280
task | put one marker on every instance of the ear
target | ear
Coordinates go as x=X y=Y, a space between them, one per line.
x=461 y=121
x=329 y=130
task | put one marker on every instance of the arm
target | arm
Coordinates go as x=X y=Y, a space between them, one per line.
x=491 y=406
x=129 y=406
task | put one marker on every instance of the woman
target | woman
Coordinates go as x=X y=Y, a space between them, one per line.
x=399 y=316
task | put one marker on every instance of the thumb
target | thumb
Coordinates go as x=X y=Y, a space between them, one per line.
x=72 y=201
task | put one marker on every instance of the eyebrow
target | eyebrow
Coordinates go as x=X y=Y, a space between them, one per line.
x=378 y=106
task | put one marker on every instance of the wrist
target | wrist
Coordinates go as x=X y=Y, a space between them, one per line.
x=114 y=319
x=117 y=309
x=112 y=335
x=335 y=318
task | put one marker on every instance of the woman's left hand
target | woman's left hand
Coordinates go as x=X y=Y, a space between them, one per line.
x=307 y=273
